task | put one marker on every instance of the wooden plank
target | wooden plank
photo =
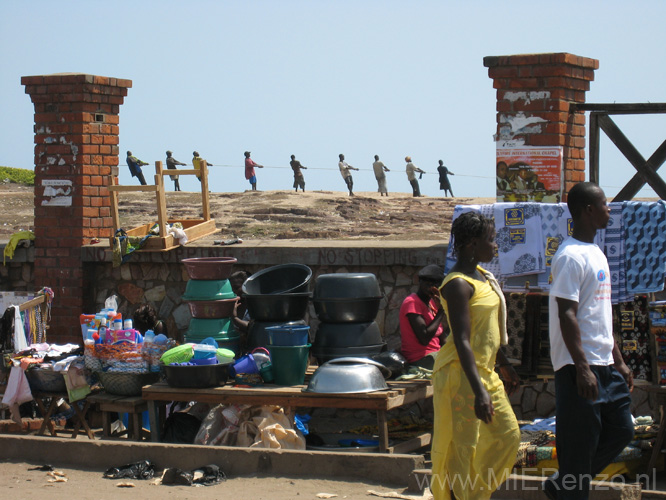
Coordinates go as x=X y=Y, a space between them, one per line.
x=129 y=189
x=161 y=201
x=637 y=181
x=33 y=302
x=114 y=209
x=622 y=108
x=635 y=158
x=594 y=147
x=412 y=444
x=291 y=396
x=205 y=201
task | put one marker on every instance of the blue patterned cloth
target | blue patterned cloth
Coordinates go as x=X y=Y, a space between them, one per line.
x=519 y=238
x=615 y=253
x=458 y=210
x=645 y=245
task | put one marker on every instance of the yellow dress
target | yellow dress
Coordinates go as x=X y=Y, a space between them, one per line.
x=468 y=456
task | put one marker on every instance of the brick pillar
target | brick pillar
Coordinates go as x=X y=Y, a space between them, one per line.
x=76 y=155
x=536 y=90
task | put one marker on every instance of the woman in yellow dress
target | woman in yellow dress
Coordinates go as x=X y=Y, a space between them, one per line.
x=476 y=435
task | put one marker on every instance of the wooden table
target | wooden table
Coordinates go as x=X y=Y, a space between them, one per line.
x=398 y=394
x=134 y=406
x=47 y=413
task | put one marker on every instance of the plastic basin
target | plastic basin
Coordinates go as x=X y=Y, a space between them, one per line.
x=211 y=309
x=283 y=278
x=208 y=290
x=209 y=268
x=197 y=376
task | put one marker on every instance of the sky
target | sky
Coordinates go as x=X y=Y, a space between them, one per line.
x=317 y=78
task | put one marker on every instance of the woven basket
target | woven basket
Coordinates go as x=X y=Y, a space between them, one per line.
x=126 y=384
x=41 y=380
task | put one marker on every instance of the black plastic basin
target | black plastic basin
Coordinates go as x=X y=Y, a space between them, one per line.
x=283 y=278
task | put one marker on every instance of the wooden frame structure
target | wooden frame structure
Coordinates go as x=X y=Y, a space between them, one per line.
x=194 y=228
x=646 y=169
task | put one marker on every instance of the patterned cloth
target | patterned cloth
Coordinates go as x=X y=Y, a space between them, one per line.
x=519 y=238
x=615 y=253
x=645 y=245
x=631 y=324
x=515 y=303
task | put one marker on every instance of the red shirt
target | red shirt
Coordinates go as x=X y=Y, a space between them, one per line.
x=249 y=168
x=412 y=349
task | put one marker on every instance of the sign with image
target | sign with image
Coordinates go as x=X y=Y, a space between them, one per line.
x=528 y=173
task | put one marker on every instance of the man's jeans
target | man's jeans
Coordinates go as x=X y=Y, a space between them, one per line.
x=589 y=434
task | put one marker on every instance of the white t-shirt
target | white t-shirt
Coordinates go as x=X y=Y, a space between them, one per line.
x=580 y=273
x=411 y=171
x=344 y=169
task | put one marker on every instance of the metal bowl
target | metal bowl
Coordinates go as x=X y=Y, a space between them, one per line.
x=348 y=334
x=210 y=309
x=284 y=278
x=209 y=268
x=346 y=286
x=349 y=376
x=347 y=310
x=278 y=307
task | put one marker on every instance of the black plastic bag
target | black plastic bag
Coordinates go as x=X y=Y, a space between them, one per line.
x=138 y=470
x=181 y=428
x=212 y=474
x=394 y=361
x=173 y=475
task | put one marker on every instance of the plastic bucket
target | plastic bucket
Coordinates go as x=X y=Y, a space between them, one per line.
x=289 y=363
x=292 y=335
x=244 y=364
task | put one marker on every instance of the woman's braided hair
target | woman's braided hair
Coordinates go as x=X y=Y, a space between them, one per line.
x=468 y=226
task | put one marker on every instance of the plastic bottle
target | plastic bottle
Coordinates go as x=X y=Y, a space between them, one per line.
x=102 y=331
x=149 y=337
x=128 y=324
x=117 y=325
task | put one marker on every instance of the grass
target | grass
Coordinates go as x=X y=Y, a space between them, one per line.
x=17 y=176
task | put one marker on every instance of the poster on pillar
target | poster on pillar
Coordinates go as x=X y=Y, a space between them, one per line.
x=528 y=173
x=57 y=193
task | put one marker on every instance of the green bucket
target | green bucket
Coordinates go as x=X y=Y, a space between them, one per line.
x=289 y=363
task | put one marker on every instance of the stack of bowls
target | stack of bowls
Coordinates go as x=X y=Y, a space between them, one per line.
x=211 y=300
x=347 y=305
x=276 y=296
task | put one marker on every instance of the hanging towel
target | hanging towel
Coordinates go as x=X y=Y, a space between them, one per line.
x=645 y=245
x=20 y=342
x=519 y=238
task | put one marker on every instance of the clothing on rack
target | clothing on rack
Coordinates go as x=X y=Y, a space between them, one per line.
x=519 y=238
x=645 y=245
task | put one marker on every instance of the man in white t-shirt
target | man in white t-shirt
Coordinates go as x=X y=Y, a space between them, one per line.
x=412 y=170
x=592 y=381
x=346 y=174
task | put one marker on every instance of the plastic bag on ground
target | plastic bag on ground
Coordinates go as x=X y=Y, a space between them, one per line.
x=138 y=470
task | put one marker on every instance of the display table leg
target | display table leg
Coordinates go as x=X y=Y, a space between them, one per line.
x=154 y=419
x=382 y=424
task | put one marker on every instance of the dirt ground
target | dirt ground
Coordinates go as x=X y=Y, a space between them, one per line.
x=262 y=215
x=17 y=481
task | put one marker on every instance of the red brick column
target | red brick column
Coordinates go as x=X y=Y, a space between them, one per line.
x=536 y=89
x=76 y=155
